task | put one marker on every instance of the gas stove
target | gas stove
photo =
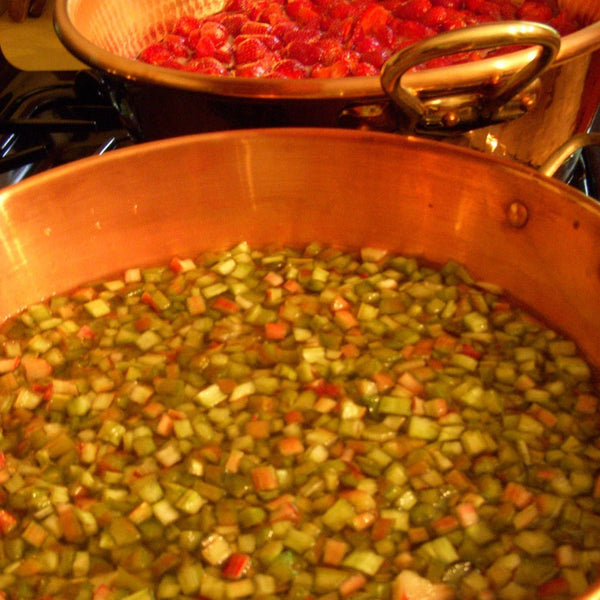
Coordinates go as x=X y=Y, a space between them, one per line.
x=50 y=118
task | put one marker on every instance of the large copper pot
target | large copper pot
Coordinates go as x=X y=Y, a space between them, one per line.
x=509 y=224
x=521 y=105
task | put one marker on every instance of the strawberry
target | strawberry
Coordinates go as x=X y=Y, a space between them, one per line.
x=273 y=14
x=563 y=24
x=185 y=25
x=207 y=65
x=248 y=49
x=455 y=19
x=341 y=10
x=531 y=10
x=434 y=17
x=233 y=22
x=384 y=34
x=270 y=41
x=413 y=9
x=256 y=9
x=302 y=11
x=508 y=10
x=216 y=32
x=484 y=7
x=176 y=44
x=304 y=52
x=259 y=68
x=155 y=54
x=411 y=30
x=288 y=69
x=351 y=58
x=331 y=50
x=255 y=28
x=371 y=51
x=232 y=6
x=205 y=47
x=372 y=18
x=285 y=31
x=341 y=29
x=448 y=3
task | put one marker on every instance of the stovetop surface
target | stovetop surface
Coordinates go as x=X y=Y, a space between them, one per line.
x=50 y=118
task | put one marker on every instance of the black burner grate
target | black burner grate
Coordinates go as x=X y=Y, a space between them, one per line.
x=51 y=118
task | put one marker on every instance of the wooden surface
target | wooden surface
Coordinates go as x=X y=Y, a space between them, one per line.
x=33 y=45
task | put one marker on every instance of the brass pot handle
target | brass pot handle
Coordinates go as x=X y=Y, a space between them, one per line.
x=491 y=96
x=559 y=156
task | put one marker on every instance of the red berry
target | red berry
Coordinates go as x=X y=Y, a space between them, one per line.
x=371 y=51
x=508 y=11
x=351 y=58
x=176 y=44
x=288 y=69
x=249 y=49
x=484 y=7
x=273 y=14
x=305 y=52
x=413 y=9
x=563 y=24
x=256 y=9
x=186 y=24
x=155 y=54
x=341 y=29
x=306 y=34
x=531 y=10
x=302 y=11
x=206 y=65
x=366 y=43
x=285 y=31
x=434 y=17
x=205 y=47
x=236 y=6
x=448 y=3
x=216 y=32
x=270 y=41
x=340 y=68
x=411 y=30
x=455 y=19
x=255 y=27
x=331 y=50
x=321 y=72
x=374 y=17
x=341 y=9
x=259 y=68
x=233 y=22
x=365 y=69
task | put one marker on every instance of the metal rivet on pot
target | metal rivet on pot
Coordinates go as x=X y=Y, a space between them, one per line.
x=450 y=119
x=527 y=102
x=517 y=214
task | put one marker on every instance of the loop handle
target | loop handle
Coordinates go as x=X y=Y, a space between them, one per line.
x=487 y=99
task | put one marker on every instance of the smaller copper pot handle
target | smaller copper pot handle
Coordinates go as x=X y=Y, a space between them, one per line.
x=484 y=100
x=582 y=140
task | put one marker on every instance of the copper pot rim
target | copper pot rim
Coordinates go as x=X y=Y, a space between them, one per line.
x=417 y=144
x=581 y=42
x=240 y=199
